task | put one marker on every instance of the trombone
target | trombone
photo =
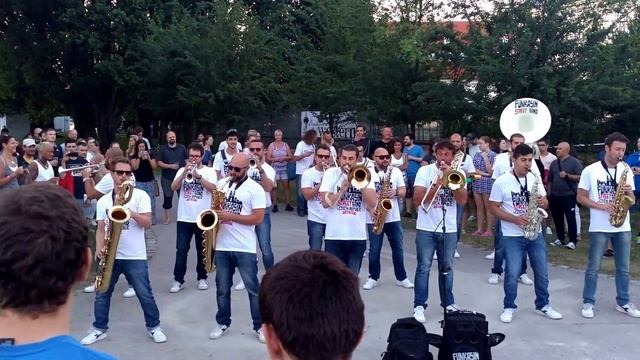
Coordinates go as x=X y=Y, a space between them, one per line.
x=358 y=176
x=453 y=179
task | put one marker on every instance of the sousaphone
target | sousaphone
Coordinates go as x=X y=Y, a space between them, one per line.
x=527 y=116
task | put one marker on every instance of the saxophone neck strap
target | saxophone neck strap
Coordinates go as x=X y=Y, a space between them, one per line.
x=524 y=189
x=615 y=173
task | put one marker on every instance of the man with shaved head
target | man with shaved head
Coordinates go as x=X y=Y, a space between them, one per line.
x=41 y=170
x=243 y=209
x=564 y=175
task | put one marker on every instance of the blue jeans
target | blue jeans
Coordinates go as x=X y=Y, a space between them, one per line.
x=301 y=203
x=428 y=242
x=393 y=230
x=349 y=251
x=263 y=231
x=316 y=233
x=89 y=211
x=184 y=232
x=515 y=250
x=137 y=274
x=498 y=258
x=621 y=242
x=247 y=264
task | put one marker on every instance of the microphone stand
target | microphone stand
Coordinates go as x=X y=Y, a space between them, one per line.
x=443 y=257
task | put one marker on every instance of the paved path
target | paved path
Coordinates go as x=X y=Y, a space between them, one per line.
x=187 y=317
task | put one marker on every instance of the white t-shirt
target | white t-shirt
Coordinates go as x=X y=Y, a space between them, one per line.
x=310 y=179
x=473 y=150
x=242 y=200
x=304 y=163
x=131 y=245
x=467 y=164
x=223 y=146
x=397 y=180
x=503 y=164
x=368 y=163
x=432 y=221
x=271 y=175
x=508 y=191
x=547 y=160
x=346 y=220
x=221 y=164
x=44 y=174
x=595 y=180
x=193 y=196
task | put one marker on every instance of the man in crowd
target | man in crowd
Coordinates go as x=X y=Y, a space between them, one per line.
x=56 y=158
x=327 y=328
x=194 y=183
x=436 y=229
x=171 y=157
x=36 y=292
x=414 y=154
x=71 y=135
x=29 y=153
x=386 y=140
x=346 y=232
x=564 y=174
x=311 y=180
x=223 y=157
x=131 y=255
x=510 y=197
x=597 y=190
x=41 y=169
x=303 y=157
x=244 y=207
x=361 y=137
x=391 y=224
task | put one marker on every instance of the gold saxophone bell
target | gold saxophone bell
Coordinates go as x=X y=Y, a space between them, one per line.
x=208 y=222
x=359 y=176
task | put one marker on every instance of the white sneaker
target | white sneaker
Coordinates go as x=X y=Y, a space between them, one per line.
x=202 y=284
x=490 y=256
x=524 y=279
x=494 y=279
x=218 y=332
x=176 y=287
x=90 y=289
x=587 y=310
x=556 y=242
x=549 y=231
x=370 y=284
x=549 y=312
x=451 y=308
x=240 y=286
x=129 y=293
x=456 y=254
x=507 y=315
x=418 y=314
x=157 y=335
x=406 y=283
x=260 y=336
x=571 y=246
x=93 y=336
x=471 y=218
x=629 y=309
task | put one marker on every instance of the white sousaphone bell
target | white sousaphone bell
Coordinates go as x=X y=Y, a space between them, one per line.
x=527 y=116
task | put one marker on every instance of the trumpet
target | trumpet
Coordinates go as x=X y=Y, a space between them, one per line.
x=189 y=176
x=77 y=171
x=253 y=163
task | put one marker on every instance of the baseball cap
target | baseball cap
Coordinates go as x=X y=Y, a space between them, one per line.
x=28 y=142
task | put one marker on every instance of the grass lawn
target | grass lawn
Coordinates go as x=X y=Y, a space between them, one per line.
x=576 y=259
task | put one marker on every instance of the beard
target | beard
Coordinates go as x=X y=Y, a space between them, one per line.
x=172 y=142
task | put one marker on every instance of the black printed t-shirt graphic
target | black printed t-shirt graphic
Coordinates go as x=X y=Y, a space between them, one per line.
x=444 y=196
x=231 y=203
x=520 y=202
x=606 y=190
x=192 y=191
x=350 y=202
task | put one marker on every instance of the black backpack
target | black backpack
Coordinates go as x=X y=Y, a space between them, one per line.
x=465 y=335
x=408 y=340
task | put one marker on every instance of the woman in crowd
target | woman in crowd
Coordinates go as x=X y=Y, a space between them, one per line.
x=207 y=157
x=483 y=162
x=143 y=163
x=278 y=155
x=9 y=169
x=399 y=160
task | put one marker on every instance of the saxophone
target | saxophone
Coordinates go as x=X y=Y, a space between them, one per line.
x=621 y=202
x=118 y=215
x=535 y=214
x=207 y=221
x=384 y=204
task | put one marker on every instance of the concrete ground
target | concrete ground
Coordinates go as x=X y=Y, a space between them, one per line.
x=188 y=316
